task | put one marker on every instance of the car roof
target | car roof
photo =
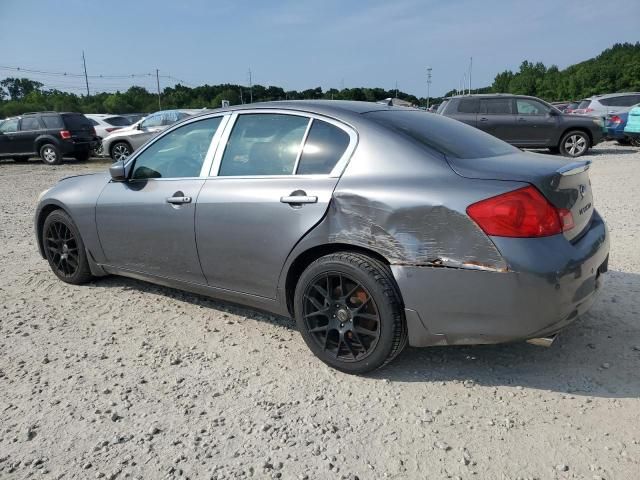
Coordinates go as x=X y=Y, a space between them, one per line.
x=492 y=95
x=611 y=95
x=322 y=107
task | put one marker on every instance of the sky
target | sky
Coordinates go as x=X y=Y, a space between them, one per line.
x=303 y=44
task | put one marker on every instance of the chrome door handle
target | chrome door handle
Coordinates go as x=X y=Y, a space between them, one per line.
x=299 y=199
x=178 y=200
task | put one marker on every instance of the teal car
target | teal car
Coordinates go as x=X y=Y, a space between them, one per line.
x=632 y=128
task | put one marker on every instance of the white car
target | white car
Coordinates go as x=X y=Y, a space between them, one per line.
x=105 y=124
x=122 y=143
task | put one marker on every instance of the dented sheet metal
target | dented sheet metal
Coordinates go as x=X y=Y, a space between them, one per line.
x=429 y=235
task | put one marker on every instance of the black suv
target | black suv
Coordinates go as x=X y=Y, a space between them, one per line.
x=526 y=122
x=51 y=135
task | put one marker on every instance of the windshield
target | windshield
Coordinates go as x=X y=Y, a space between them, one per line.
x=442 y=134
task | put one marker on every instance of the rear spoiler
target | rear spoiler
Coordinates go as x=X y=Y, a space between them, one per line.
x=573 y=168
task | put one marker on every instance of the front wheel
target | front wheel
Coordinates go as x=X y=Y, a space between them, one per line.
x=50 y=154
x=120 y=151
x=64 y=249
x=574 y=144
x=349 y=312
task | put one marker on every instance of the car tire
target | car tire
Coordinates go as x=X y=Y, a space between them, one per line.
x=574 y=143
x=65 y=249
x=83 y=156
x=349 y=311
x=634 y=141
x=120 y=151
x=50 y=154
x=623 y=141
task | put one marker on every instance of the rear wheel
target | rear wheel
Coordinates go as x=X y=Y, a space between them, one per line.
x=120 y=151
x=574 y=143
x=635 y=141
x=349 y=312
x=64 y=249
x=50 y=154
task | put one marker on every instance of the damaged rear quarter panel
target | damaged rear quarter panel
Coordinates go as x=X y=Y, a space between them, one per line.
x=410 y=207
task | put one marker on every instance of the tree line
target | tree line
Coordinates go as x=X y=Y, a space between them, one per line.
x=615 y=69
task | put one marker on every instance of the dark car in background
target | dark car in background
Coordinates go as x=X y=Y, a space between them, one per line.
x=526 y=122
x=51 y=135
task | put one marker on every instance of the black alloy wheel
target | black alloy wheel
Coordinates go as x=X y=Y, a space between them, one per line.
x=64 y=249
x=349 y=311
x=341 y=316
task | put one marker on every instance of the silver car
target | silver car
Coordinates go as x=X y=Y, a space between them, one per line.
x=373 y=225
x=603 y=105
x=122 y=143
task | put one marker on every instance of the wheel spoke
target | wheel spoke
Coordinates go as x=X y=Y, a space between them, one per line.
x=365 y=331
x=319 y=329
x=350 y=348
x=314 y=302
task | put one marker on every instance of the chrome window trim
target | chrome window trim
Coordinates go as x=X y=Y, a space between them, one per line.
x=213 y=146
x=301 y=147
x=211 y=150
x=338 y=168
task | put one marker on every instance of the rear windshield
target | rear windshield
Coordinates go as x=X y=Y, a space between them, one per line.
x=74 y=121
x=118 y=121
x=442 y=134
x=584 y=103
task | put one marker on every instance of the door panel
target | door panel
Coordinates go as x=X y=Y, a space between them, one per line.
x=534 y=130
x=496 y=118
x=141 y=230
x=245 y=232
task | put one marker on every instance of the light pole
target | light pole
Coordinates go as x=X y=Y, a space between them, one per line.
x=428 y=84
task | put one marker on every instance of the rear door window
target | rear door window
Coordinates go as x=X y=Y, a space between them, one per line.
x=496 y=106
x=621 y=101
x=442 y=106
x=30 y=124
x=263 y=144
x=325 y=145
x=52 y=121
x=584 y=104
x=469 y=105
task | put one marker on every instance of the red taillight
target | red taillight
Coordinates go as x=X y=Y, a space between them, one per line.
x=520 y=213
x=615 y=119
x=589 y=110
x=111 y=129
x=65 y=134
x=93 y=131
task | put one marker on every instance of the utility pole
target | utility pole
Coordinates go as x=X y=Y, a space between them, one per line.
x=241 y=99
x=158 y=85
x=428 y=85
x=396 y=88
x=250 y=88
x=470 y=69
x=86 y=78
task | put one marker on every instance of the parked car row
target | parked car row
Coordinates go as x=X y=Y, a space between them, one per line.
x=54 y=135
x=526 y=122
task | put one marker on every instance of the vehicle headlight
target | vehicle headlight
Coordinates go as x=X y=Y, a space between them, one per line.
x=43 y=193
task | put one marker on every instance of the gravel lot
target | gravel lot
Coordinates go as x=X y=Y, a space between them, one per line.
x=122 y=379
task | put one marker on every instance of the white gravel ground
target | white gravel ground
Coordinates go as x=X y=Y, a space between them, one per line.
x=122 y=379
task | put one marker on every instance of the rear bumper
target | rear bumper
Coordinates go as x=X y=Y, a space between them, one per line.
x=72 y=146
x=550 y=283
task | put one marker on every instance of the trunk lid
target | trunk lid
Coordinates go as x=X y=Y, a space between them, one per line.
x=565 y=184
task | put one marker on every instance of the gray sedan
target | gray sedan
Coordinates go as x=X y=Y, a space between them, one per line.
x=374 y=226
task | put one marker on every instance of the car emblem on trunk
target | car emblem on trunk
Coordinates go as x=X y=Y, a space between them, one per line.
x=582 y=190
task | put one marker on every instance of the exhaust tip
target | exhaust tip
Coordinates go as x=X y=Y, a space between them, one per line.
x=542 y=341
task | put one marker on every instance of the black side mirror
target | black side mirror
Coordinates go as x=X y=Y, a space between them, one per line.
x=118 y=172
x=553 y=113
x=139 y=127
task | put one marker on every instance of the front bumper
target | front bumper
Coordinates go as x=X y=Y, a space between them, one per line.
x=549 y=284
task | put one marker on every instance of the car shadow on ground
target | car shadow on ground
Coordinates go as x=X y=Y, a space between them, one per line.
x=598 y=355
